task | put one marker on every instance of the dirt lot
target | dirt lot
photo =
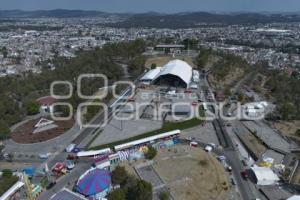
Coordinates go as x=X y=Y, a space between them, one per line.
x=161 y=61
x=288 y=128
x=254 y=144
x=296 y=177
x=192 y=174
x=232 y=78
x=24 y=133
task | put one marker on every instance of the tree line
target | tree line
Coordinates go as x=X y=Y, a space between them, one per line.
x=20 y=91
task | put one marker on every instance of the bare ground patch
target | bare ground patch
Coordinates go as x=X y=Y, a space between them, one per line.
x=24 y=133
x=231 y=79
x=288 y=128
x=161 y=61
x=192 y=174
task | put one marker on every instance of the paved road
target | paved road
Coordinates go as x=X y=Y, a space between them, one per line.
x=52 y=145
x=232 y=156
x=81 y=139
x=68 y=181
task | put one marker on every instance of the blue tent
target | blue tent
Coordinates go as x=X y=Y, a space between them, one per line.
x=94 y=182
x=29 y=171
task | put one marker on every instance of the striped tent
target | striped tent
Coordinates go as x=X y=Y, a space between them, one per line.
x=124 y=155
x=93 y=182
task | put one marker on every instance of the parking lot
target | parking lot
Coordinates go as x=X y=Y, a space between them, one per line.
x=205 y=133
x=127 y=122
x=149 y=174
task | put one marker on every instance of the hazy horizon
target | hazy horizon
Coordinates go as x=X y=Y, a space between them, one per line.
x=160 y=6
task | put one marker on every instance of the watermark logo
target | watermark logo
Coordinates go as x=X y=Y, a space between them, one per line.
x=156 y=104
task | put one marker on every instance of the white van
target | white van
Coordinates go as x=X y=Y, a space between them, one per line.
x=70 y=148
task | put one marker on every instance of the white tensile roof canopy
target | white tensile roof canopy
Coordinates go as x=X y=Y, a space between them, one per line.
x=177 y=69
x=295 y=197
x=150 y=75
x=265 y=176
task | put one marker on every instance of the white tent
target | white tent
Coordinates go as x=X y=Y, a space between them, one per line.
x=295 y=197
x=177 y=68
x=150 y=75
x=265 y=176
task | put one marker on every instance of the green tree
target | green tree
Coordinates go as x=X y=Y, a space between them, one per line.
x=227 y=92
x=119 y=175
x=151 y=153
x=164 y=195
x=4 y=130
x=191 y=44
x=118 y=194
x=297 y=133
x=32 y=107
x=203 y=57
x=286 y=110
x=240 y=97
x=153 y=66
x=7 y=181
x=143 y=190
x=7 y=173
x=137 y=66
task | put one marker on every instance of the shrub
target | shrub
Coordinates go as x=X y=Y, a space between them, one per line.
x=119 y=175
x=151 y=153
x=164 y=196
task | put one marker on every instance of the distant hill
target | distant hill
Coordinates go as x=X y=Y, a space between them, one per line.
x=185 y=20
x=50 y=13
x=158 y=20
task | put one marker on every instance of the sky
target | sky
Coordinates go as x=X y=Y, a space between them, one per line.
x=164 y=6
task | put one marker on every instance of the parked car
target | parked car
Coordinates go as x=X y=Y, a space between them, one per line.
x=208 y=148
x=71 y=157
x=194 y=144
x=244 y=163
x=232 y=181
x=44 y=155
x=190 y=139
x=194 y=103
x=229 y=168
x=76 y=150
x=213 y=145
x=188 y=91
x=132 y=99
x=51 y=185
x=245 y=174
x=70 y=165
x=70 y=148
